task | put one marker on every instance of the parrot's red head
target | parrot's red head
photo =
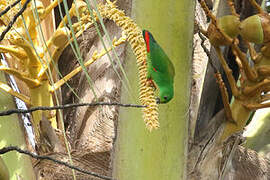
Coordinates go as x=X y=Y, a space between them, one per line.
x=148 y=38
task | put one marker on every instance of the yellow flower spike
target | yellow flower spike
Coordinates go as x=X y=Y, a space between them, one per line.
x=30 y=82
x=86 y=26
x=31 y=27
x=60 y=40
x=40 y=8
x=81 y=26
x=57 y=35
x=134 y=35
x=49 y=9
x=111 y=3
x=9 y=90
x=23 y=1
x=31 y=22
x=7 y=16
x=82 y=8
x=95 y=55
x=34 y=65
x=14 y=34
x=14 y=51
x=114 y=40
x=60 y=37
x=124 y=36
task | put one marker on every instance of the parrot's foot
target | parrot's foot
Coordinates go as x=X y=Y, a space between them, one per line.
x=151 y=83
x=158 y=100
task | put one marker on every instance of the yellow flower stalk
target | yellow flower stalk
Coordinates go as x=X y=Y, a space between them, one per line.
x=135 y=38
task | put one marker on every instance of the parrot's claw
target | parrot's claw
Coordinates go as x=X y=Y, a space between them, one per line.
x=157 y=100
x=151 y=83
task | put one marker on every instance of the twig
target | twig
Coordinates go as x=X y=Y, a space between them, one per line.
x=14 y=20
x=14 y=148
x=207 y=52
x=18 y=111
x=9 y=7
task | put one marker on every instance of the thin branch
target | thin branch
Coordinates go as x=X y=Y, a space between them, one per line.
x=9 y=7
x=14 y=20
x=18 y=111
x=14 y=148
x=207 y=52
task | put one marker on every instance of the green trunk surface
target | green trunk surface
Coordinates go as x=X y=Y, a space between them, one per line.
x=257 y=132
x=11 y=133
x=160 y=154
x=4 y=174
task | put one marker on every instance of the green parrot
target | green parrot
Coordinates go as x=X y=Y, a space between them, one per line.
x=160 y=68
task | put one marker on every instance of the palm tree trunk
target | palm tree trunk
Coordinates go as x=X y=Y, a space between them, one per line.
x=160 y=154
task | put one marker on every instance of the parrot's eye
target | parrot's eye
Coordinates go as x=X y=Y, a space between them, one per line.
x=165 y=97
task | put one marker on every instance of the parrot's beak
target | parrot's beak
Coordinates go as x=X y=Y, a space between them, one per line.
x=158 y=100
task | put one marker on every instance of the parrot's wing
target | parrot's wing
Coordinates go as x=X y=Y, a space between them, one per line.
x=161 y=62
x=171 y=68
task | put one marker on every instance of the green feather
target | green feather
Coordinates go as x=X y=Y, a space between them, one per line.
x=160 y=68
